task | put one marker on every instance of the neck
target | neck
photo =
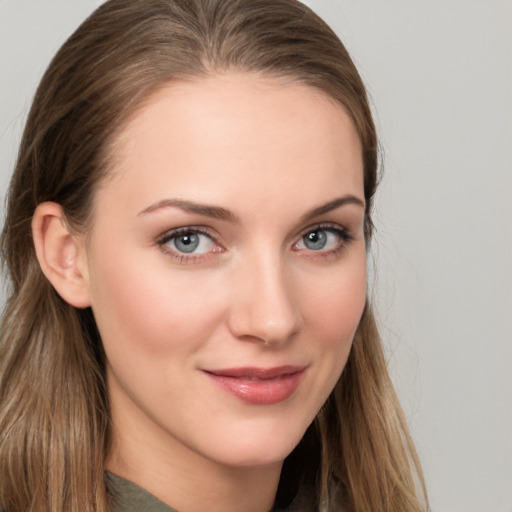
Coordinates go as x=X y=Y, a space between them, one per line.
x=187 y=481
x=199 y=487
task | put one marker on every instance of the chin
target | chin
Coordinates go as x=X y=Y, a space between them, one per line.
x=261 y=450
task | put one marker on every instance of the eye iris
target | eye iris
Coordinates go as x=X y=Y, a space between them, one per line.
x=315 y=240
x=187 y=242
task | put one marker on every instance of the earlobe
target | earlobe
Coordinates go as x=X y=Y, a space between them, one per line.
x=61 y=254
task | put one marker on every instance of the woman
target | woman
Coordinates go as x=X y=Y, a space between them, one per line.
x=186 y=237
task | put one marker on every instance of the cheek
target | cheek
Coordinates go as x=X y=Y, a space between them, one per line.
x=332 y=310
x=150 y=310
x=335 y=305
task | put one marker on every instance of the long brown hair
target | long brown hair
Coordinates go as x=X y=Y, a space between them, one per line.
x=54 y=408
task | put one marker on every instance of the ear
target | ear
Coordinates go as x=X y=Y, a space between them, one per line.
x=61 y=254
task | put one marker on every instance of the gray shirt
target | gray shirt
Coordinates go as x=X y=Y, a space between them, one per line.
x=129 y=497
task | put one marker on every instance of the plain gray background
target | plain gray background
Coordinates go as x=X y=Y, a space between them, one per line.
x=440 y=77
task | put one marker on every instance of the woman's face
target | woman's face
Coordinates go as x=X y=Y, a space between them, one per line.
x=226 y=268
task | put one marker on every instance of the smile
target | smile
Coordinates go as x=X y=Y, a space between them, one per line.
x=259 y=386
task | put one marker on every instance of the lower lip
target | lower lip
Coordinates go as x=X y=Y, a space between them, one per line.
x=260 y=392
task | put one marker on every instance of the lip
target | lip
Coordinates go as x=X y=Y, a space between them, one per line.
x=259 y=386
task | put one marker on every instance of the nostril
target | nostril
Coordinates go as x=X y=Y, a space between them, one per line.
x=270 y=326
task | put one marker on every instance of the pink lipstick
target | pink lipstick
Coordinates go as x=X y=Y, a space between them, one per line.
x=259 y=386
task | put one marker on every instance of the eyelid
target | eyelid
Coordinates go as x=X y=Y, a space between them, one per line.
x=184 y=258
x=161 y=241
x=174 y=232
x=345 y=237
x=332 y=226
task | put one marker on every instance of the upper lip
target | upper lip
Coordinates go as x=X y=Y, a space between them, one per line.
x=250 y=372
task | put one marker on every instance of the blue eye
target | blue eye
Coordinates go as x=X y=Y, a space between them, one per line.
x=189 y=242
x=322 y=239
x=186 y=243
x=315 y=240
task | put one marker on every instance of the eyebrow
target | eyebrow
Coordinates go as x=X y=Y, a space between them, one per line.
x=217 y=212
x=332 y=205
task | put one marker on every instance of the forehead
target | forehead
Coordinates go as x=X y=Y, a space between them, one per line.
x=239 y=130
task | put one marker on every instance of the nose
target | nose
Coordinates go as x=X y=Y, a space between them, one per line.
x=264 y=303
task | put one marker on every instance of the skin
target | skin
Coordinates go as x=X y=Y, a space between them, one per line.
x=253 y=294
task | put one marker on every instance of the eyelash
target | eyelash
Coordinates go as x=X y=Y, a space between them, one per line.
x=345 y=237
x=188 y=230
